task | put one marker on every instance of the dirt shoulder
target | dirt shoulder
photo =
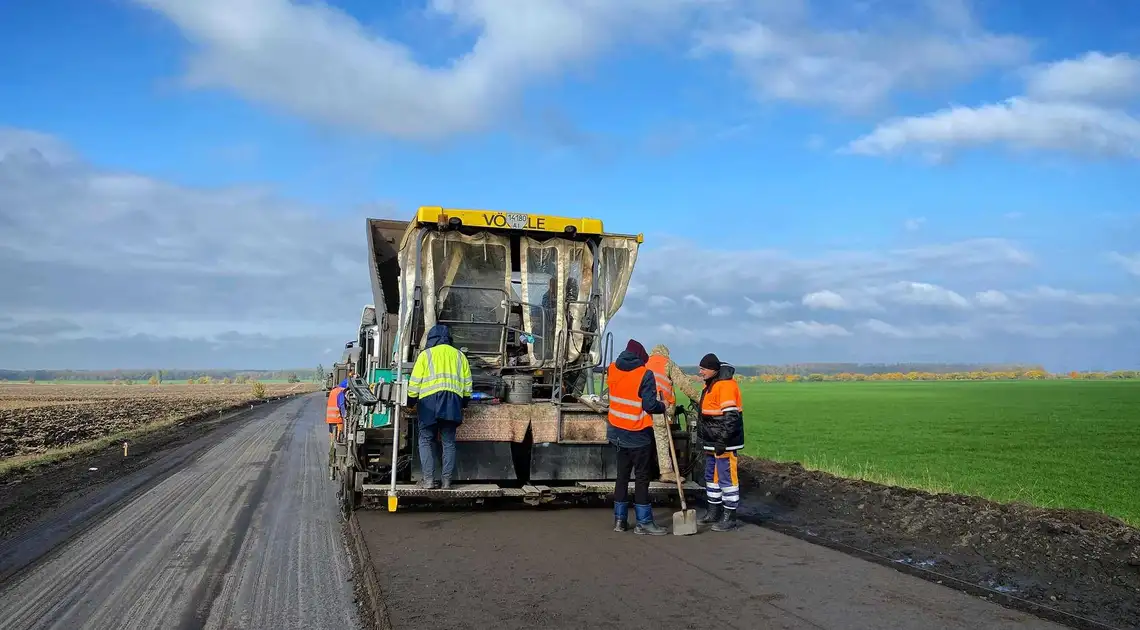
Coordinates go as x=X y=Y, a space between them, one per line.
x=1076 y=563
x=43 y=506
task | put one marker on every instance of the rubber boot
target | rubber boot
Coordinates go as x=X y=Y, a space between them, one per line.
x=645 y=524
x=621 y=517
x=712 y=513
x=726 y=523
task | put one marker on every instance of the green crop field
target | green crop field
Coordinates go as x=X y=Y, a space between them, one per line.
x=1073 y=444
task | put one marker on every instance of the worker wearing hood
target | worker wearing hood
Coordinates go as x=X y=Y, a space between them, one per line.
x=720 y=428
x=440 y=386
x=633 y=397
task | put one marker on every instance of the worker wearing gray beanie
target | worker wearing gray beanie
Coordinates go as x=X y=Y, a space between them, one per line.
x=720 y=427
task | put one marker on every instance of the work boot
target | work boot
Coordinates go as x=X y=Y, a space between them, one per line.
x=645 y=524
x=726 y=523
x=446 y=485
x=621 y=517
x=667 y=477
x=427 y=484
x=712 y=513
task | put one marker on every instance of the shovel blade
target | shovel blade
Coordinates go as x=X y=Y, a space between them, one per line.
x=685 y=523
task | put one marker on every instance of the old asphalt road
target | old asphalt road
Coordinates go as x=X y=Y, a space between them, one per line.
x=245 y=536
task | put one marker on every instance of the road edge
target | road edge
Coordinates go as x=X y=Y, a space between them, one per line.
x=373 y=608
x=751 y=479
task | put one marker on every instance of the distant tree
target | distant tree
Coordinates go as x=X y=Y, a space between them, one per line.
x=31 y=380
x=204 y=380
x=227 y=380
x=153 y=380
x=293 y=378
x=258 y=389
x=320 y=375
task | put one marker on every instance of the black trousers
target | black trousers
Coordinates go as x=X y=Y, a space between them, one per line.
x=638 y=461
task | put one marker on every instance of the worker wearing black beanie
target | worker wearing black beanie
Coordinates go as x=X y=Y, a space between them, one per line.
x=720 y=427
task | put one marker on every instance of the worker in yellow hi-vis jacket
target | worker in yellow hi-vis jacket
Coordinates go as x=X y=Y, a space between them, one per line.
x=440 y=386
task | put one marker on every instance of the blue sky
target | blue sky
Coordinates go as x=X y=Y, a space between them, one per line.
x=184 y=183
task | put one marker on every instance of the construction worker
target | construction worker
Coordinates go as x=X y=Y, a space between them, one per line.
x=721 y=430
x=440 y=386
x=669 y=376
x=334 y=412
x=633 y=397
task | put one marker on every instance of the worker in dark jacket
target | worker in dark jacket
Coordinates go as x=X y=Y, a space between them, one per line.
x=441 y=382
x=720 y=427
x=633 y=397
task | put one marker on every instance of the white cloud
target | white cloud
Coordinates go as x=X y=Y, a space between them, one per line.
x=922 y=293
x=120 y=255
x=809 y=329
x=1051 y=294
x=696 y=301
x=1072 y=106
x=992 y=299
x=149 y=269
x=1093 y=77
x=766 y=309
x=918 y=331
x=913 y=225
x=1128 y=262
x=792 y=51
x=320 y=63
x=826 y=299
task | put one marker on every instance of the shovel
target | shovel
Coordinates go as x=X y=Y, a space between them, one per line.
x=685 y=521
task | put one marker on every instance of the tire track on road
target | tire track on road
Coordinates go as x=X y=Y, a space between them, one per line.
x=256 y=504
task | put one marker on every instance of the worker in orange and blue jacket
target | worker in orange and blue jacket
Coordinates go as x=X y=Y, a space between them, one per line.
x=720 y=428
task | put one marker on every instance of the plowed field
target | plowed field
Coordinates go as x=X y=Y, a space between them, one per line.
x=38 y=418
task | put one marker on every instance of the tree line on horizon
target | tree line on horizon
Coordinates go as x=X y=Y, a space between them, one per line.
x=164 y=375
x=820 y=372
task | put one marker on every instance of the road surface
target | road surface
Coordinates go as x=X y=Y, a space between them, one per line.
x=565 y=569
x=245 y=536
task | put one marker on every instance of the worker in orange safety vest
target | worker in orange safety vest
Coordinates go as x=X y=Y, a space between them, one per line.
x=633 y=397
x=334 y=416
x=720 y=428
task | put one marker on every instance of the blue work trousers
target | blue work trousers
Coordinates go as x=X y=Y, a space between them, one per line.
x=722 y=484
x=443 y=432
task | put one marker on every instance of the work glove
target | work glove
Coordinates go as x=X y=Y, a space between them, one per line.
x=719 y=448
x=678 y=410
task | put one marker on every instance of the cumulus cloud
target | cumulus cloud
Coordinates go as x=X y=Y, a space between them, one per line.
x=318 y=62
x=91 y=254
x=1084 y=106
x=792 y=51
x=971 y=300
x=1128 y=262
x=102 y=268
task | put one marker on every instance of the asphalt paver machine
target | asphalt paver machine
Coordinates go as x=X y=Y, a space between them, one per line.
x=527 y=299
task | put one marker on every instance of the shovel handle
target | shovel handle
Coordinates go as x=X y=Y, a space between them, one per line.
x=676 y=468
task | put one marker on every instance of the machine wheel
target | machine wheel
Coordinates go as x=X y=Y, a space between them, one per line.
x=347 y=494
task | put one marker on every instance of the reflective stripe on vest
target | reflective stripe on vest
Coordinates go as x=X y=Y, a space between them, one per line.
x=444 y=369
x=659 y=365
x=625 y=401
x=332 y=410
